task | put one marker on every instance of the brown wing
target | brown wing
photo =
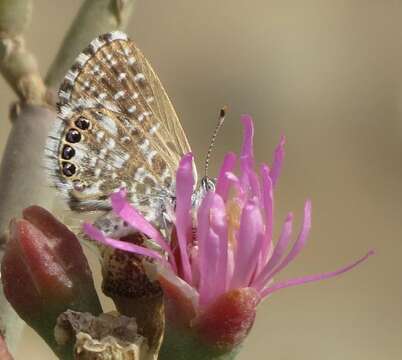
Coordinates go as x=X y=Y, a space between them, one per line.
x=117 y=127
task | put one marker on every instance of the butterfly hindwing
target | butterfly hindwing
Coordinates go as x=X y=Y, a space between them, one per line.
x=116 y=127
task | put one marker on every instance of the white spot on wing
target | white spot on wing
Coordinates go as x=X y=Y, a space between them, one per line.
x=122 y=76
x=118 y=35
x=97 y=44
x=82 y=59
x=111 y=143
x=119 y=95
x=139 y=77
x=100 y=135
x=139 y=174
x=71 y=76
x=150 y=156
x=154 y=128
x=108 y=124
x=144 y=146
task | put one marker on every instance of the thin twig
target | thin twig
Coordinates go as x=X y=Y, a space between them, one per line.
x=17 y=64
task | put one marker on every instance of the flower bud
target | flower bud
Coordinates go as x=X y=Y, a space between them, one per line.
x=45 y=272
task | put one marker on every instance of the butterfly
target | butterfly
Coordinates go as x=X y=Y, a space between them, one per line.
x=116 y=128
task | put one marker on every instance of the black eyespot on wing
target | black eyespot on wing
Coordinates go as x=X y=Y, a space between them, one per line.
x=73 y=136
x=69 y=169
x=68 y=152
x=82 y=123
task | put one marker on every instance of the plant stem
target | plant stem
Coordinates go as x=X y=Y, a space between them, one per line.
x=17 y=64
x=22 y=183
x=23 y=179
x=182 y=344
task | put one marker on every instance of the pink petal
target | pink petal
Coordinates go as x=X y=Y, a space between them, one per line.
x=247 y=148
x=248 y=245
x=311 y=278
x=300 y=242
x=254 y=184
x=234 y=181
x=247 y=155
x=170 y=278
x=184 y=191
x=220 y=227
x=280 y=248
x=95 y=234
x=278 y=160
x=213 y=247
x=222 y=183
x=268 y=200
x=209 y=272
x=123 y=209
x=211 y=210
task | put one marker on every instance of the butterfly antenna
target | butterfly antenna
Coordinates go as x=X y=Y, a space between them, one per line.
x=222 y=115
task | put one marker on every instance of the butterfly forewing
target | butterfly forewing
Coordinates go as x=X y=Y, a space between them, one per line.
x=117 y=128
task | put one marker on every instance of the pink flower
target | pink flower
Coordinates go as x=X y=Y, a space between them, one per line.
x=226 y=243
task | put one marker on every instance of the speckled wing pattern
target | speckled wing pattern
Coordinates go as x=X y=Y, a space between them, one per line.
x=116 y=128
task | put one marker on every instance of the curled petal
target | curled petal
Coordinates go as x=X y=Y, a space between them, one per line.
x=123 y=209
x=222 y=184
x=182 y=300
x=278 y=160
x=247 y=148
x=300 y=242
x=247 y=155
x=268 y=203
x=312 y=278
x=95 y=234
x=280 y=248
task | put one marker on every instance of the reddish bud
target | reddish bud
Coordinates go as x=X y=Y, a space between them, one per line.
x=45 y=272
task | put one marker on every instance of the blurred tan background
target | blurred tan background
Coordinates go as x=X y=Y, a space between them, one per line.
x=328 y=75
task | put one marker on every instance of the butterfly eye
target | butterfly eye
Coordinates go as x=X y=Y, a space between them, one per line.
x=73 y=136
x=82 y=123
x=68 y=152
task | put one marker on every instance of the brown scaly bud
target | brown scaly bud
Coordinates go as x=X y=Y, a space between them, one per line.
x=126 y=281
